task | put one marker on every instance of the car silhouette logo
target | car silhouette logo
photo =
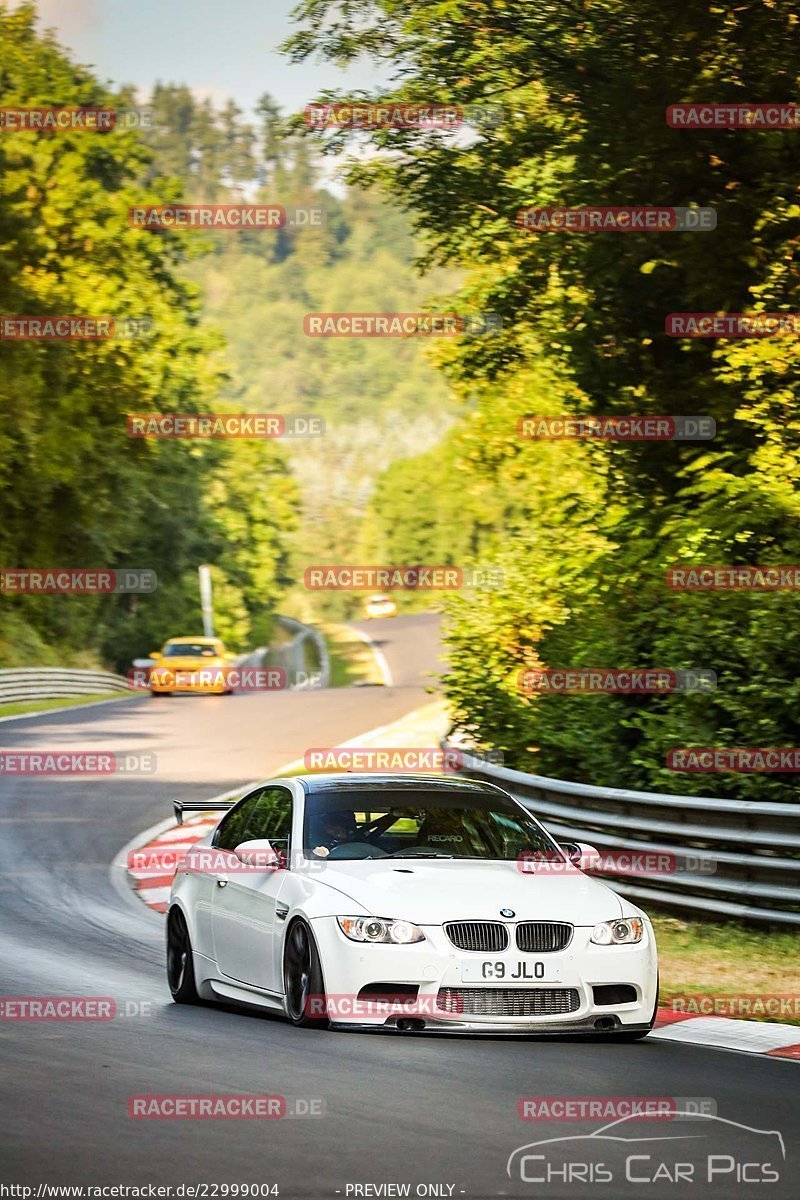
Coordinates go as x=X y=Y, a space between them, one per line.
x=507 y=912
x=616 y=1133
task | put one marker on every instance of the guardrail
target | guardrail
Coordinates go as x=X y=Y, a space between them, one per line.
x=53 y=683
x=751 y=849
x=295 y=654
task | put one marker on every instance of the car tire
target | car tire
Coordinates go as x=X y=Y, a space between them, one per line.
x=153 y=692
x=180 y=964
x=302 y=977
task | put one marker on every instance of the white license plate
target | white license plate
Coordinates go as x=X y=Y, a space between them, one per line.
x=501 y=970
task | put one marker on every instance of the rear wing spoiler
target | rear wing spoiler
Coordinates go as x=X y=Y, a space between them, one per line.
x=187 y=806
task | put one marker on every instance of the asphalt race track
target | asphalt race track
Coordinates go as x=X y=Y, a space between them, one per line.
x=398 y=1109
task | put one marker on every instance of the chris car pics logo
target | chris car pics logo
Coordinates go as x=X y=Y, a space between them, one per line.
x=700 y=1148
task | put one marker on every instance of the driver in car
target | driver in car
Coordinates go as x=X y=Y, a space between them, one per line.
x=334 y=829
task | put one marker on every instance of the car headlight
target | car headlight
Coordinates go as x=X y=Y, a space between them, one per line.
x=622 y=932
x=380 y=929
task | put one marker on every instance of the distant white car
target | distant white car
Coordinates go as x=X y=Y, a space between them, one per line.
x=408 y=901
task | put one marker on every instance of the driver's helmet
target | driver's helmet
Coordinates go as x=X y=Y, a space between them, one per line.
x=334 y=828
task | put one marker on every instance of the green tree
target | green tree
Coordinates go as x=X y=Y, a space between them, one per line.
x=584 y=91
x=76 y=490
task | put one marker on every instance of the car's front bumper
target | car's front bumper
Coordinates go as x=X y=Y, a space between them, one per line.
x=511 y=1027
x=199 y=687
x=435 y=964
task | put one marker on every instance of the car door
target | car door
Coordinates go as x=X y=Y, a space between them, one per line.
x=243 y=910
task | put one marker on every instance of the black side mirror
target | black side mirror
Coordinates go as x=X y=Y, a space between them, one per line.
x=573 y=852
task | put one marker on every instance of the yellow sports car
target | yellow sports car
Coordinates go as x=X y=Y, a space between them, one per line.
x=380 y=606
x=198 y=665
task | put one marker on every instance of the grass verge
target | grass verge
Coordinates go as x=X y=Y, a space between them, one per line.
x=34 y=706
x=352 y=660
x=726 y=959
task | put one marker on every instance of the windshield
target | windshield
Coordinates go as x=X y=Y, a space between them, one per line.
x=190 y=650
x=424 y=824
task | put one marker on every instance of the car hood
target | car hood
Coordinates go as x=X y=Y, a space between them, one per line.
x=432 y=892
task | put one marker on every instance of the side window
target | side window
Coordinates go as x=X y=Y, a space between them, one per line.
x=272 y=816
x=266 y=813
x=231 y=830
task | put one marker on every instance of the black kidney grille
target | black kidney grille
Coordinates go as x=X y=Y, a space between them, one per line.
x=543 y=937
x=508 y=1002
x=488 y=936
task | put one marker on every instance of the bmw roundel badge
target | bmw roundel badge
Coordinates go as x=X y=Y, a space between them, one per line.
x=507 y=912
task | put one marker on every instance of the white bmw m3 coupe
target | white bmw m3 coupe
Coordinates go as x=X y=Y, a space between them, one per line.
x=410 y=902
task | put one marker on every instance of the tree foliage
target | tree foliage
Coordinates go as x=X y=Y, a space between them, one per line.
x=380 y=399
x=76 y=490
x=584 y=90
